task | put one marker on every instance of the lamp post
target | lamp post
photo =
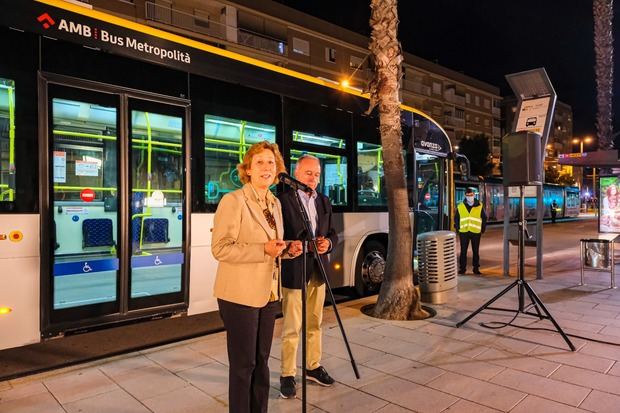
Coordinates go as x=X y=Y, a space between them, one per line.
x=581 y=141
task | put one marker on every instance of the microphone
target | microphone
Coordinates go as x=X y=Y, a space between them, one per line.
x=288 y=180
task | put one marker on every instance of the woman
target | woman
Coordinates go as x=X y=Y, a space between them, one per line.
x=247 y=242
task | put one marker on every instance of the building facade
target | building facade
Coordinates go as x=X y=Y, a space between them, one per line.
x=275 y=33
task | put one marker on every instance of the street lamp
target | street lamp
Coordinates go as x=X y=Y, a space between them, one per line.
x=581 y=141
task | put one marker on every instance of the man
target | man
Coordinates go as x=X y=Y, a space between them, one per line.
x=554 y=211
x=470 y=221
x=319 y=210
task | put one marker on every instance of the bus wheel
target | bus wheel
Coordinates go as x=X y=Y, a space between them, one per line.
x=369 y=268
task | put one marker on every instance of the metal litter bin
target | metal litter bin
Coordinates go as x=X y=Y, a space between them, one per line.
x=598 y=255
x=437 y=268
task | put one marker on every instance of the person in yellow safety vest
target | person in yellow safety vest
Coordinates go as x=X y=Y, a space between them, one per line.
x=470 y=221
x=554 y=211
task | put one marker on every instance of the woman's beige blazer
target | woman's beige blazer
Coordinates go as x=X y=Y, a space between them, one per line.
x=240 y=231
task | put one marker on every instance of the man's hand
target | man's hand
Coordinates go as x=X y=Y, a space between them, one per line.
x=274 y=247
x=322 y=244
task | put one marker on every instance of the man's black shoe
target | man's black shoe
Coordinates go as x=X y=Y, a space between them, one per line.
x=477 y=271
x=287 y=387
x=320 y=376
x=462 y=271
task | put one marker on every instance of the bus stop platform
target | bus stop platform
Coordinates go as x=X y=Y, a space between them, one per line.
x=405 y=366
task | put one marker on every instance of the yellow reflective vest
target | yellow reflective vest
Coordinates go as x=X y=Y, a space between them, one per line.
x=470 y=221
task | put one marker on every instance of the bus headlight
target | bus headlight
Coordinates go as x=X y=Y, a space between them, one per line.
x=5 y=310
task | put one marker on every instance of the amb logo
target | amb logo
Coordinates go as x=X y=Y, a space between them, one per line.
x=67 y=26
x=46 y=21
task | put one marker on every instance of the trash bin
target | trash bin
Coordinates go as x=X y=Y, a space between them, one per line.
x=598 y=255
x=437 y=268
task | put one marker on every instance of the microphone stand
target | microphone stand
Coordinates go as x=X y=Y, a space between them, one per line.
x=307 y=238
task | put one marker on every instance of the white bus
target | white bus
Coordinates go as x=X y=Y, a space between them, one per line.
x=114 y=155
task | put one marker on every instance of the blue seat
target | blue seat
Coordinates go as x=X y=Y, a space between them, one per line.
x=97 y=232
x=155 y=231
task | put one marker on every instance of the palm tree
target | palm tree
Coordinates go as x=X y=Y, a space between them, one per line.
x=604 y=68
x=398 y=298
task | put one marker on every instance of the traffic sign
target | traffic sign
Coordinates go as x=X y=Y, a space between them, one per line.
x=87 y=195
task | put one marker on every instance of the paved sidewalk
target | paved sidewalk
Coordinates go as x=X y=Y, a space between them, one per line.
x=419 y=366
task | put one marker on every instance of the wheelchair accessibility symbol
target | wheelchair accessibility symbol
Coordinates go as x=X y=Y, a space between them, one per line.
x=157 y=260
x=86 y=268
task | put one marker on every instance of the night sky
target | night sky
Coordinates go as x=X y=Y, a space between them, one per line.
x=488 y=39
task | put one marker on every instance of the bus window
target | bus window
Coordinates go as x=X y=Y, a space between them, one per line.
x=319 y=140
x=226 y=141
x=371 y=184
x=157 y=159
x=7 y=140
x=84 y=139
x=333 y=175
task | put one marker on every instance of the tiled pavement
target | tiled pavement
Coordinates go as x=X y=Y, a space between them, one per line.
x=420 y=366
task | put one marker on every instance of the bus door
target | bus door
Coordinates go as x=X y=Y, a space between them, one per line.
x=429 y=193
x=116 y=221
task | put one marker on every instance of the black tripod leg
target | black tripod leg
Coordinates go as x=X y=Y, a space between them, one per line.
x=488 y=303
x=540 y=316
x=549 y=316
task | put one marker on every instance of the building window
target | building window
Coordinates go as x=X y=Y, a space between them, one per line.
x=467 y=117
x=467 y=98
x=355 y=62
x=301 y=46
x=477 y=100
x=487 y=122
x=477 y=120
x=459 y=113
x=487 y=103
x=437 y=88
x=330 y=55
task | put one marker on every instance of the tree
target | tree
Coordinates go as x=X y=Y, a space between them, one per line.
x=398 y=297
x=479 y=154
x=551 y=175
x=566 y=179
x=604 y=69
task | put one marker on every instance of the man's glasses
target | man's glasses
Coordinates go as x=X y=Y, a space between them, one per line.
x=271 y=220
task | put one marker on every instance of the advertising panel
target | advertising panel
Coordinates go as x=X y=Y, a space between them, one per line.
x=610 y=204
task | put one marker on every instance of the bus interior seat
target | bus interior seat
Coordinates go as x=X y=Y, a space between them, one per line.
x=155 y=231
x=97 y=232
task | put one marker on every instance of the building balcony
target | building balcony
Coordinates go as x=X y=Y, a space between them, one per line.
x=261 y=42
x=416 y=87
x=450 y=120
x=497 y=111
x=456 y=99
x=497 y=131
x=204 y=25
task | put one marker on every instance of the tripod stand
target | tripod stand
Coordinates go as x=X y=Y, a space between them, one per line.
x=308 y=239
x=521 y=284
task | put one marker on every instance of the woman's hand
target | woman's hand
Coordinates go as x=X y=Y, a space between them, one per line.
x=294 y=249
x=274 y=247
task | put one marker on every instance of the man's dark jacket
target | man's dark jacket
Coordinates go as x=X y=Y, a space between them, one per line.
x=294 y=228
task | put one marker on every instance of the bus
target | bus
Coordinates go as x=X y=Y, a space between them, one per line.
x=117 y=141
x=491 y=193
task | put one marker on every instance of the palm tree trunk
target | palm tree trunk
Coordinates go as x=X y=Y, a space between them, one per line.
x=604 y=68
x=398 y=299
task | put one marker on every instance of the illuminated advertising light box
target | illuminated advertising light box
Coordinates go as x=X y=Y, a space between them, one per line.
x=609 y=220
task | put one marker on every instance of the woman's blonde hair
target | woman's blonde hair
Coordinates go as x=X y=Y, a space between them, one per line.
x=257 y=148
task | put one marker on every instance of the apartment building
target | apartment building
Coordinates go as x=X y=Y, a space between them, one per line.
x=275 y=33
